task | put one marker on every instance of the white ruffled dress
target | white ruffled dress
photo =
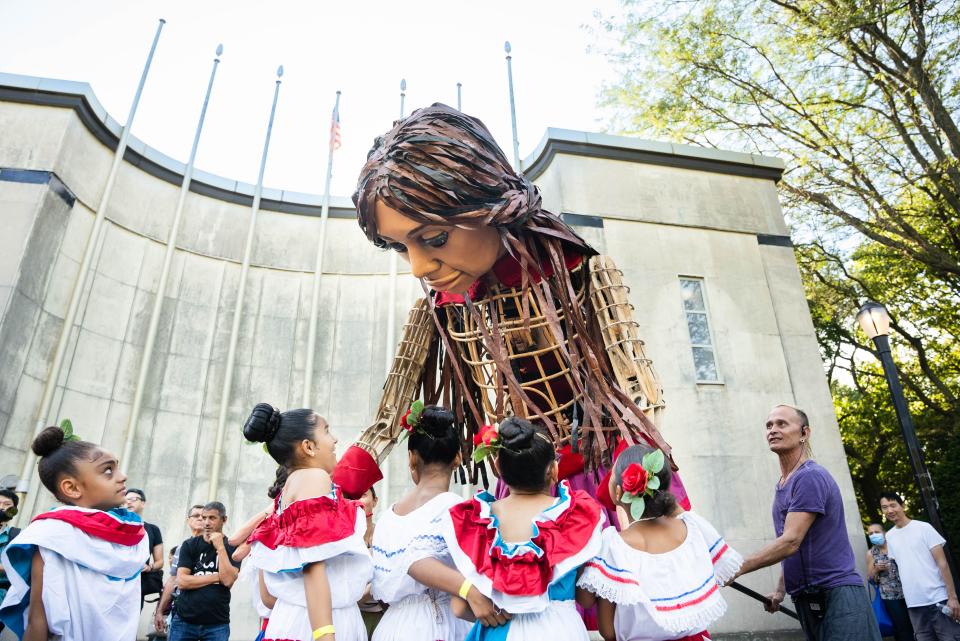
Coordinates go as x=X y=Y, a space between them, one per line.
x=533 y=580
x=416 y=612
x=91 y=573
x=660 y=597
x=329 y=529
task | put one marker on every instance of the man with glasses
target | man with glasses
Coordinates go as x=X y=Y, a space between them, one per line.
x=151 y=578
x=170 y=590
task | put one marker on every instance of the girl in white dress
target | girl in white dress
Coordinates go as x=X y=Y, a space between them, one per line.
x=75 y=570
x=660 y=577
x=524 y=551
x=310 y=550
x=409 y=531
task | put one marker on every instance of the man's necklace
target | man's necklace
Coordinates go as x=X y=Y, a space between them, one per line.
x=800 y=460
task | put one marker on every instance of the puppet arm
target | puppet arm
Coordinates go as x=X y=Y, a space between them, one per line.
x=632 y=369
x=359 y=469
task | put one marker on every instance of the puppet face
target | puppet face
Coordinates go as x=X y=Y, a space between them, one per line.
x=448 y=258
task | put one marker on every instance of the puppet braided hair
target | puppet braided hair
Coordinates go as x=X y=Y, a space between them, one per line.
x=441 y=166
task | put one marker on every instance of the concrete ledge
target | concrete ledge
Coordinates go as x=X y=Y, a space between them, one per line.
x=79 y=96
x=598 y=145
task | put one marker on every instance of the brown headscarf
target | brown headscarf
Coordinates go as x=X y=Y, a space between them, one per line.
x=441 y=166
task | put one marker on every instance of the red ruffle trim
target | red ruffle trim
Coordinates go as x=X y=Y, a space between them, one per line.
x=308 y=523
x=507 y=271
x=525 y=574
x=100 y=525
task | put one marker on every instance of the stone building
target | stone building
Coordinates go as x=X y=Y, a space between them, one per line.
x=698 y=233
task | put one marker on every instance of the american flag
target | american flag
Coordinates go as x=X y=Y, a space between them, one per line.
x=335 y=129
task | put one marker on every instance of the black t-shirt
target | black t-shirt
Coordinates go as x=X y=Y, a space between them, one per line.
x=209 y=605
x=152 y=582
x=153 y=536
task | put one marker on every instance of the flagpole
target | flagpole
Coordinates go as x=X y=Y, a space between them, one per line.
x=391 y=343
x=318 y=270
x=238 y=308
x=147 y=359
x=459 y=100
x=93 y=240
x=513 y=108
x=392 y=291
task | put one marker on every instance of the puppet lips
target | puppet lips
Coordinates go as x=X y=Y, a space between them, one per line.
x=443 y=284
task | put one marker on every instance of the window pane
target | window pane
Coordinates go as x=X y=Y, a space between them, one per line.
x=705 y=364
x=699 y=329
x=692 y=295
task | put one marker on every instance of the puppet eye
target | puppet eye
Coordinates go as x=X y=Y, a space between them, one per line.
x=436 y=241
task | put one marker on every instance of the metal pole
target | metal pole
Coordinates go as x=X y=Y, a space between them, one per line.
x=459 y=97
x=238 y=309
x=93 y=240
x=513 y=108
x=147 y=359
x=927 y=493
x=391 y=342
x=318 y=270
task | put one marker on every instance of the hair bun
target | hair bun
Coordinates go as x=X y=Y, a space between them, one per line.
x=262 y=424
x=517 y=434
x=436 y=421
x=48 y=441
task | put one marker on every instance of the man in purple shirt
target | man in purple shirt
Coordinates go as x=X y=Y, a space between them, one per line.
x=818 y=567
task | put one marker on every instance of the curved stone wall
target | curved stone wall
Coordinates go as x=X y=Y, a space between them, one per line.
x=660 y=211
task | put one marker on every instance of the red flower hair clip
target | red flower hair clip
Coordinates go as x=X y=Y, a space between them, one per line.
x=639 y=480
x=485 y=442
x=411 y=419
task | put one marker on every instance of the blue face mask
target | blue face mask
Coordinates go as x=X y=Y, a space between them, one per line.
x=876 y=539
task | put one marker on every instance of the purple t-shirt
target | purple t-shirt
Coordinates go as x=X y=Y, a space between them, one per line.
x=825 y=558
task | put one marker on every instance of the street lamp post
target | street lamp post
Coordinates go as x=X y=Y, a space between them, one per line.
x=875 y=322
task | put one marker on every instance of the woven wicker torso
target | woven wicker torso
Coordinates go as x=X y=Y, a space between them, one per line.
x=535 y=358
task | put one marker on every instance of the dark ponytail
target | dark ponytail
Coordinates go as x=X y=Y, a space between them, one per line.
x=280 y=431
x=436 y=438
x=663 y=502
x=281 y=479
x=526 y=455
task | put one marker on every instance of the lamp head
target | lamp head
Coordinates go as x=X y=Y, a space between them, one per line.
x=403 y=85
x=874 y=320
x=506 y=46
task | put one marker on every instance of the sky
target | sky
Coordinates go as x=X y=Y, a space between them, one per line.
x=363 y=48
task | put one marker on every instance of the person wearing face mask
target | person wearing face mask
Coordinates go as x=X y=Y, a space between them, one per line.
x=882 y=570
x=8 y=509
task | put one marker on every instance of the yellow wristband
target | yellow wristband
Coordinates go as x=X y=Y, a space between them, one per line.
x=465 y=588
x=322 y=632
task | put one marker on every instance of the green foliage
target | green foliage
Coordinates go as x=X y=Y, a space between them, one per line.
x=860 y=98
x=67 y=427
x=946 y=473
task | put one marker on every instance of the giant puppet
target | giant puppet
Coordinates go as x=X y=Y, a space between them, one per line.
x=521 y=316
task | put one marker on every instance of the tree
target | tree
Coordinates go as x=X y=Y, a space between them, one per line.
x=861 y=100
